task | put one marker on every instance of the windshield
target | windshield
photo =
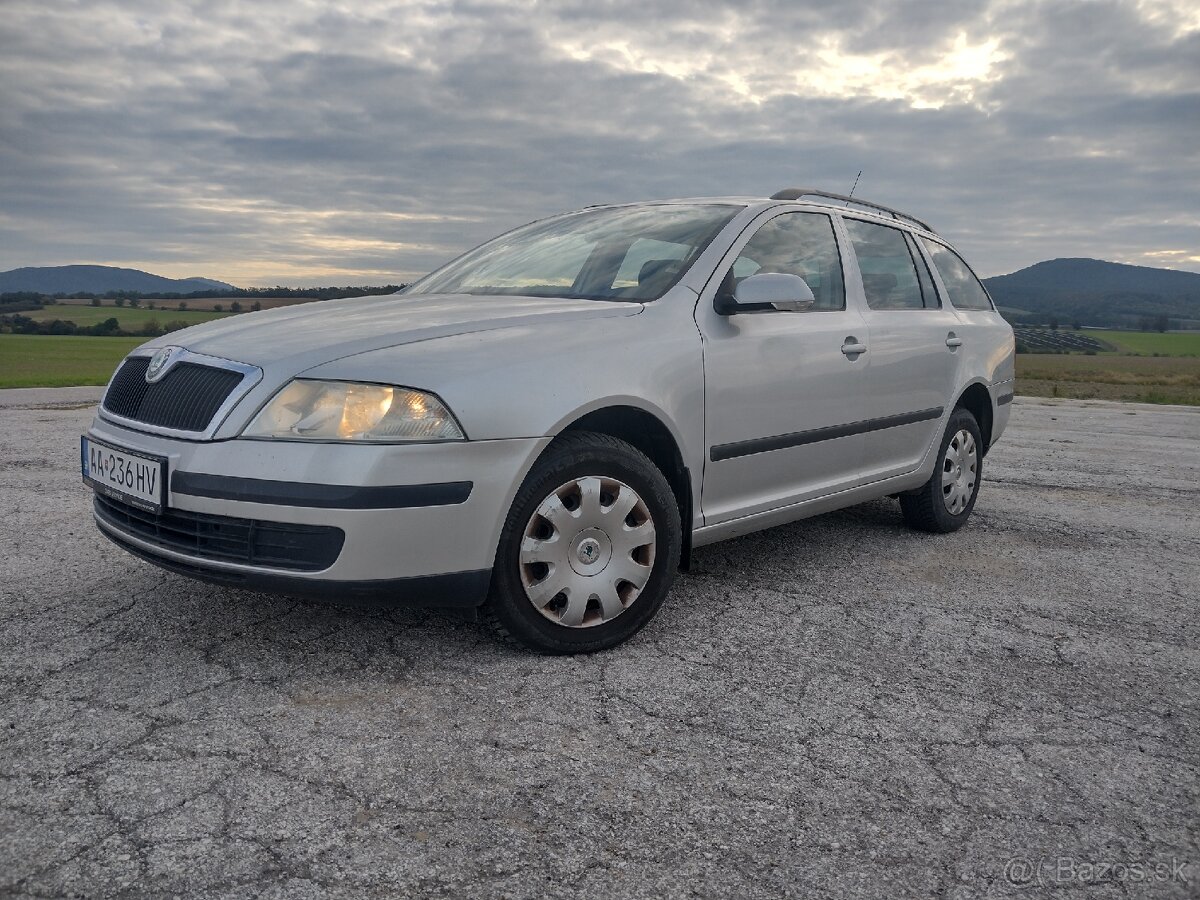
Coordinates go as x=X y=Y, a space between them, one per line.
x=619 y=253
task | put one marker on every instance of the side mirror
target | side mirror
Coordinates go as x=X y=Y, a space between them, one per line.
x=766 y=292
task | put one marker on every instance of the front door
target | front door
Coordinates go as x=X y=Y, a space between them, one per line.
x=781 y=387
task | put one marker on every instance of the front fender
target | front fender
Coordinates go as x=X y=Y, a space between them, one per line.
x=532 y=381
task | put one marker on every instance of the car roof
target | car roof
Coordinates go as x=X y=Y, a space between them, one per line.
x=820 y=199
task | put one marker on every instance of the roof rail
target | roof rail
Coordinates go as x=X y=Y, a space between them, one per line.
x=797 y=193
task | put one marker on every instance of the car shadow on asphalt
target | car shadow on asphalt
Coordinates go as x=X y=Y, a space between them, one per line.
x=224 y=624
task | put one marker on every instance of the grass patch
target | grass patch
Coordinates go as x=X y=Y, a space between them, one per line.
x=130 y=319
x=1106 y=376
x=34 y=360
x=1148 y=343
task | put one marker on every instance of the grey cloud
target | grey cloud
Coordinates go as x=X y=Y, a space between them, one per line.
x=289 y=144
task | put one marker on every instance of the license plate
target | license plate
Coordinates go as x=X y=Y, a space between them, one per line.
x=134 y=478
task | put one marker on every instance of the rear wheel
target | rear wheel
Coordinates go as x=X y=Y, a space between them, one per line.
x=589 y=548
x=945 y=501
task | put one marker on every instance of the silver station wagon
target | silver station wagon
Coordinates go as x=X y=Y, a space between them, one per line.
x=547 y=426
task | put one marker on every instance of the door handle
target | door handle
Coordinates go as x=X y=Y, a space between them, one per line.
x=953 y=340
x=852 y=347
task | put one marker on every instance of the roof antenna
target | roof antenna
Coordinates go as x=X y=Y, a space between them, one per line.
x=856 y=177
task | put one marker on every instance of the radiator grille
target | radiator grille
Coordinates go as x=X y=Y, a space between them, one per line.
x=276 y=545
x=185 y=399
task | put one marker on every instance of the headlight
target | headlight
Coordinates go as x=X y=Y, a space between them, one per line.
x=345 y=411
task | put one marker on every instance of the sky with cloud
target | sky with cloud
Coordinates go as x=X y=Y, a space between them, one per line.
x=294 y=142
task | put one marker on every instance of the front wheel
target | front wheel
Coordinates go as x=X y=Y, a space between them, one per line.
x=944 y=503
x=589 y=548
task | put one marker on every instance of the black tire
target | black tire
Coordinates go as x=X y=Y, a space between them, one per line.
x=925 y=509
x=576 y=455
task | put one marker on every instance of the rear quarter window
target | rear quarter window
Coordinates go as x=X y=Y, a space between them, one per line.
x=962 y=286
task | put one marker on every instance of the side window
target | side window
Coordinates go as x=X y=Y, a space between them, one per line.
x=961 y=284
x=928 y=291
x=888 y=271
x=796 y=244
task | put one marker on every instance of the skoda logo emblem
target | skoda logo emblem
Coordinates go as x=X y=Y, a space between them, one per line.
x=160 y=362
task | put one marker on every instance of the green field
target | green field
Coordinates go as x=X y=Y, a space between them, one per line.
x=1110 y=376
x=1148 y=343
x=34 y=360
x=1144 y=367
x=129 y=318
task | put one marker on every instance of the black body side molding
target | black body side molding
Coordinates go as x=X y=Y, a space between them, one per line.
x=829 y=433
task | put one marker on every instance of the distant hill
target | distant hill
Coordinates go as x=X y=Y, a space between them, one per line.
x=1097 y=276
x=1095 y=292
x=99 y=280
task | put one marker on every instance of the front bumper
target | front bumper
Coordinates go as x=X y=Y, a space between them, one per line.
x=421 y=521
x=455 y=589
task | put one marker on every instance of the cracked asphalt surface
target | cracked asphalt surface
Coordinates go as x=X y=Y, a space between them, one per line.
x=835 y=708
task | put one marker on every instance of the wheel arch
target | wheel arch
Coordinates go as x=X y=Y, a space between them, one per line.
x=650 y=434
x=977 y=400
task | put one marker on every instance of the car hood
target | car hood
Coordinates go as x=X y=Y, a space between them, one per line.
x=295 y=338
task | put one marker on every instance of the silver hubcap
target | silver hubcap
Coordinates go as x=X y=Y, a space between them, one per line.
x=960 y=472
x=587 y=551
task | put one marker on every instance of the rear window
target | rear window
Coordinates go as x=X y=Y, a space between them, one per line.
x=961 y=284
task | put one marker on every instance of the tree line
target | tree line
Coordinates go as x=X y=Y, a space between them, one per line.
x=18 y=324
x=13 y=303
x=264 y=293
x=1160 y=323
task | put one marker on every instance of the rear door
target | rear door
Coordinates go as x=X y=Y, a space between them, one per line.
x=914 y=348
x=987 y=347
x=983 y=330
x=779 y=390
